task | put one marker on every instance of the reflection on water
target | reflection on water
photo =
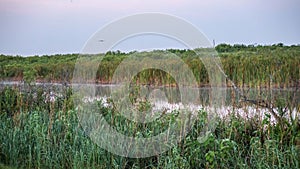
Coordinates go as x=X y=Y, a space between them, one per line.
x=232 y=97
x=173 y=94
x=170 y=102
x=161 y=107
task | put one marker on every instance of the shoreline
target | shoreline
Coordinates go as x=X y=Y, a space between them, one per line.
x=58 y=83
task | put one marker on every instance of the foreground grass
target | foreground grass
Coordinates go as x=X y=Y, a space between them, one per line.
x=5 y=167
x=48 y=135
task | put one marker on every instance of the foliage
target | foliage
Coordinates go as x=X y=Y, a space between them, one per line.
x=39 y=127
x=47 y=134
x=254 y=66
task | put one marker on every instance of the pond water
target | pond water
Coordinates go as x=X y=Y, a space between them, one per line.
x=232 y=100
x=231 y=97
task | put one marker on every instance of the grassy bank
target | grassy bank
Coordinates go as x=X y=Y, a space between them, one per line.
x=36 y=132
x=252 y=66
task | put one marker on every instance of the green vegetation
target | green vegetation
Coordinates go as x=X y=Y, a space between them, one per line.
x=253 y=66
x=39 y=127
x=36 y=132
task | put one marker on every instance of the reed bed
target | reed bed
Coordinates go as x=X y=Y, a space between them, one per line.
x=37 y=132
x=261 y=66
x=40 y=128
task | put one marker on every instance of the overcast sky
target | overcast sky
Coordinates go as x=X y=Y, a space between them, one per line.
x=36 y=27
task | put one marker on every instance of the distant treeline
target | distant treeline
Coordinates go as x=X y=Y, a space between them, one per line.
x=247 y=65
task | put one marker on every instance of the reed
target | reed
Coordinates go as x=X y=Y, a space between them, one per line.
x=250 y=66
x=236 y=142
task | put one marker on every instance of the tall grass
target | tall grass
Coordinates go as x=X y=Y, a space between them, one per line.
x=36 y=133
x=264 y=66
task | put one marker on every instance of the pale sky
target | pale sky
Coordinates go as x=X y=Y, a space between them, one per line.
x=37 y=27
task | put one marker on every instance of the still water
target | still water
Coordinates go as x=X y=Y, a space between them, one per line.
x=288 y=95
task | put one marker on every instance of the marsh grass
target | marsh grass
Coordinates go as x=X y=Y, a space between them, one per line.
x=261 y=66
x=36 y=133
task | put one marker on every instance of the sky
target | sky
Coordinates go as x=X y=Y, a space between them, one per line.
x=39 y=27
